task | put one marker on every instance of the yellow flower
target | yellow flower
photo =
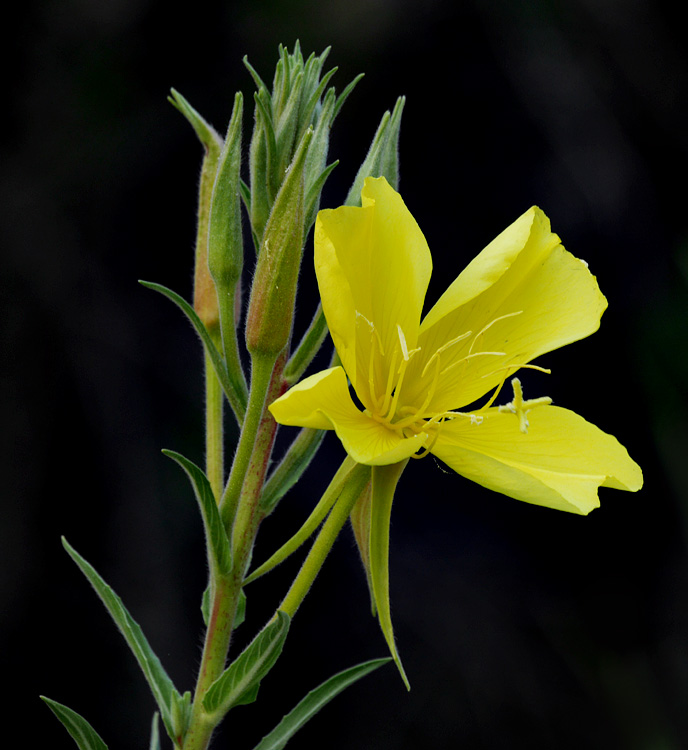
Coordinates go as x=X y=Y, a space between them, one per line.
x=418 y=382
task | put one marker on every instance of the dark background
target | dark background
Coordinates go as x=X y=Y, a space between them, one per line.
x=518 y=626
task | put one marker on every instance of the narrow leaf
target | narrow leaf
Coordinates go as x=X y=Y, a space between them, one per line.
x=313 y=702
x=245 y=673
x=219 y=553
x=234 y=390
x=81 y=731
x=157 y=677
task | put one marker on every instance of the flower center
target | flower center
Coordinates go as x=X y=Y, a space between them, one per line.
x=410 y=420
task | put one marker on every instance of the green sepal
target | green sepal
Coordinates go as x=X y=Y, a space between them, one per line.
x=155 y=733
x=219 y=551
x=314 y=701
x=158 y=679
x=385 y=480
x=233 y=387
x=360 y=523
x=238 y=682
x=81 y=731
x=206 y=133
x=382 y=159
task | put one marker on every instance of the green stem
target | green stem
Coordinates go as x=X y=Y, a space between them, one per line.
x=217 y=638
x=249 y=513
x=261 y=378
x=214 y=440
x=358 y=477
x=246 y=480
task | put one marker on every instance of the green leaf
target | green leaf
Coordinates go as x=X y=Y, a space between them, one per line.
x=234 y=389
x=313 y=702
x=157 y=677
x=219 y=552
x=241 y=678
x=155 y=733
x=81 y=731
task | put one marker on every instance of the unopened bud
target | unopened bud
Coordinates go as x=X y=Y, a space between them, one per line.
x=271 y=308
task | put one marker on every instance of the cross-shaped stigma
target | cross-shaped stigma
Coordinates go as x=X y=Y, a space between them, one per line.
x=520 y=407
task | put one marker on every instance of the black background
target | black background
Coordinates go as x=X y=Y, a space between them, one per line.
x=518 y=626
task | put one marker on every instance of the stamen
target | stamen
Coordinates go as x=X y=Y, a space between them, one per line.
x=490 y=324
x=515 y=367
x=397 y=391
x=402 y=341
x=418 y=413
x=470 y=356
x=374 y=336
x=428 y=448
x=443 y=348
x=390 y=383
x=520 y=407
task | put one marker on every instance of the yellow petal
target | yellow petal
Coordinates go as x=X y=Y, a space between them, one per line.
x=524 y=295
x=323 y=401
x=373 y=267
x=560 y=463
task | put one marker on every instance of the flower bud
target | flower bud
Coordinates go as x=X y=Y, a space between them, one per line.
x=271 y=308
x=205 y=296
x=225 y=242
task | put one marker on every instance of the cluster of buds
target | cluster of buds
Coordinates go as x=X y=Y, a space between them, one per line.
x=288 y=168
